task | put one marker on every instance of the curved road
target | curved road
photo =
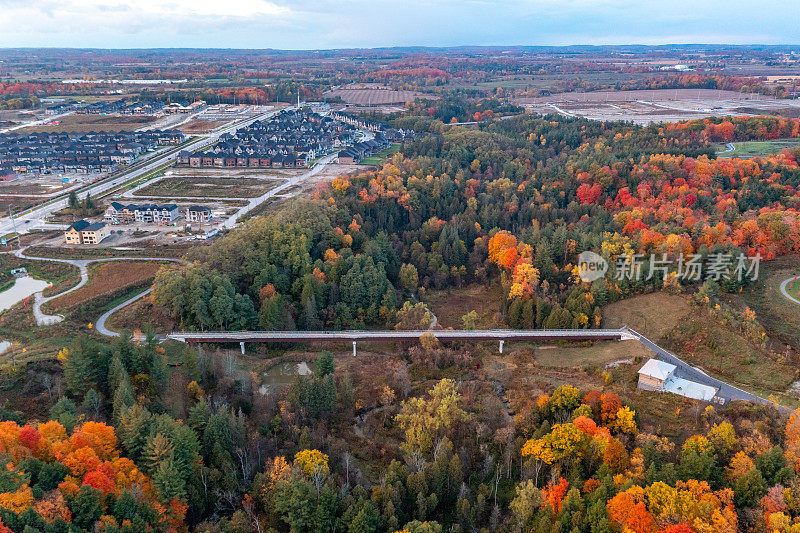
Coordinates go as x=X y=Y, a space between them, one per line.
x=100 y=325
x=730 y=148
x=785 y=292
x=43 y=319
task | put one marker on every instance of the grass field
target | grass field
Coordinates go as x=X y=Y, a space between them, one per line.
x=92 y=123
x=208 y=187
x=780 y=316
x=793 y=288
x=171 y=251
x=759 y=148
x=139 y=315
x=381 y=157
x=652 y=315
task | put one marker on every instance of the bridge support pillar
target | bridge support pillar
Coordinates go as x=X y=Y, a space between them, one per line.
x=241 y=344
x=354 y=348
x=501 y=346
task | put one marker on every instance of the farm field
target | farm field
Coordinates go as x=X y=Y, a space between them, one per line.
x=758 y=148
x=373 y=96
x=93 y=123
x=208 y=187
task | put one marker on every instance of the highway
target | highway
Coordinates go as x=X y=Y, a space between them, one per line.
x=34 y=217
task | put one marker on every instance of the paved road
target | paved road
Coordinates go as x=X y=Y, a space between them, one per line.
x=686 y=371
x=290 y=182
x=33 y=218
x=393 y=335
x=730 y=148
x=785 y=292
x=38 y=122
x=44 y=319
x=100 y=325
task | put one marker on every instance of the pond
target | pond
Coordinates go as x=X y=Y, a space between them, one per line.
x=282 y=374
x=23 y=288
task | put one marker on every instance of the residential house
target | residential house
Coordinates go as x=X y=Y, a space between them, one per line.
x=198 y=213
x=84 y=232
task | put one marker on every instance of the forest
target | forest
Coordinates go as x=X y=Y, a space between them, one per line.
x=142 y=436
x=516 y=199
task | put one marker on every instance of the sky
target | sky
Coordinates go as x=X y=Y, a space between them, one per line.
x=324 y=24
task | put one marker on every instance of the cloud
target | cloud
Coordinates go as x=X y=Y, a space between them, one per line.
x=306 y=24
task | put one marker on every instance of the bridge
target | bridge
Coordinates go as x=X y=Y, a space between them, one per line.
x=498 y=335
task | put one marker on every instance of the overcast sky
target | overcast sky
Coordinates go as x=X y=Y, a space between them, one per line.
x=309 y=24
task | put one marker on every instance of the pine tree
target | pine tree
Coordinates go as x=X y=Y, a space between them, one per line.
x=168 y=482
x=158 y=450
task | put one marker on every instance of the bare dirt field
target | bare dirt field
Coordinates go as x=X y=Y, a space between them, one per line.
x=198 y=125
x=92 y=123
x=12 y=117
x=17 y=203
x=49 y=185
x=658 y=105
x=369 y=96
x=209 y=187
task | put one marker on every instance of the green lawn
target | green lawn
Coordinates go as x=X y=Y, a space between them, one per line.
x=793 y=289
x=758 y=148
x=381 y=157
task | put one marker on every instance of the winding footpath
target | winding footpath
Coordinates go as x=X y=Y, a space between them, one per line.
x=43 y=319
x=785 y=292
x=100 y=325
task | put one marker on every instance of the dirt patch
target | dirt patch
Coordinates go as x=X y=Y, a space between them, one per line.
x=139 y=315
x=450 y=305
x=201 y=125
x=652 y=315
x=109 y=277
x=92 y=123
x=209 y=187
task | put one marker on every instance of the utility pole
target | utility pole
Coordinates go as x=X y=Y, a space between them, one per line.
x=13 y=223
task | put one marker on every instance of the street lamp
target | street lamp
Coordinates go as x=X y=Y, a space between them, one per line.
x=13 y=222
